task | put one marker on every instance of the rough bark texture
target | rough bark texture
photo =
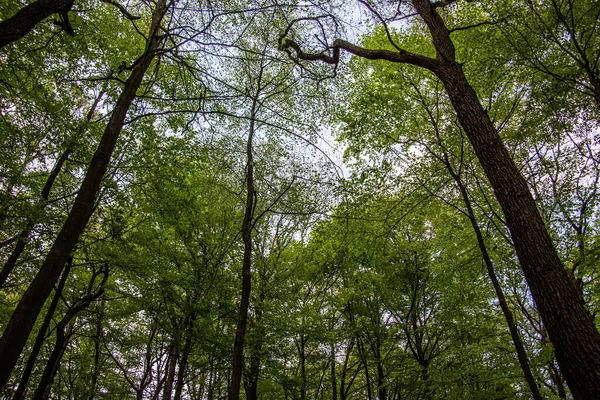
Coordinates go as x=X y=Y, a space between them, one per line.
x=20 y=24
x=23 y=319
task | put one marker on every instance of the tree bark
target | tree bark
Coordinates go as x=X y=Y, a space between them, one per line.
x=20 y=24
x=62 y=340
x=63 y=336
x=23 y=318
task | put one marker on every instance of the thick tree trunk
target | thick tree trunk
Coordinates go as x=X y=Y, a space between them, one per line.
x=23 y=319
x=20 y=24
x=41 y=336
x=570 y=327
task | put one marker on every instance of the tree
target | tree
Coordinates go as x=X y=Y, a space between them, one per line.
x=570 y=328
x=19 y=327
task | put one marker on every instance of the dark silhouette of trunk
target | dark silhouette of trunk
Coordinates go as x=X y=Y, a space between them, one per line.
x=570 y=327
x=62 y=340
x=302 y=354
x=381 y=385
x=334 y=395
x=171 y=365
x=510 y=321
x=41 y=336
x=23 y=318
x=97 y=339
x=345 y=389
x=363 y=357
x=512 y=326
x=251 y=386
x=20 y=24
x=558 y=381
x=23 y=236
x=63 y=335
x=252 y=375
x=183 y=363
x=240 y=334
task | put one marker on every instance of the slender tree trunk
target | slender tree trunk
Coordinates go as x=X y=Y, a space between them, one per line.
x=41 y=336
x=334 y=395
x=23 y=318
x=97 y=339
x=302 y=354
x=20 y=24
x=62 y=337
x=24 y=235
x=363 y=357
x=62 y=340
x=512 y=326
x=240 y=335
x=381 y=385
x=345 y=389
x=570 y=327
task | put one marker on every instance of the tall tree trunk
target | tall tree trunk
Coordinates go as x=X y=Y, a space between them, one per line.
x=183 y=363
x=334 y=395
x=508 y=316
x=570 y=327
x=20 y=24
x=62 y=340
x=62 y=337
x=172 y=363
x=97 y=339
x=41 y=336
x=363 y=357
x=240 y=334
x=23 y=318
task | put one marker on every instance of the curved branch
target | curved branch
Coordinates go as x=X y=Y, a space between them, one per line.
x=401 y=56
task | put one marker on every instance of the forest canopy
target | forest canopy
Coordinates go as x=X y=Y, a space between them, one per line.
x=308 y=200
